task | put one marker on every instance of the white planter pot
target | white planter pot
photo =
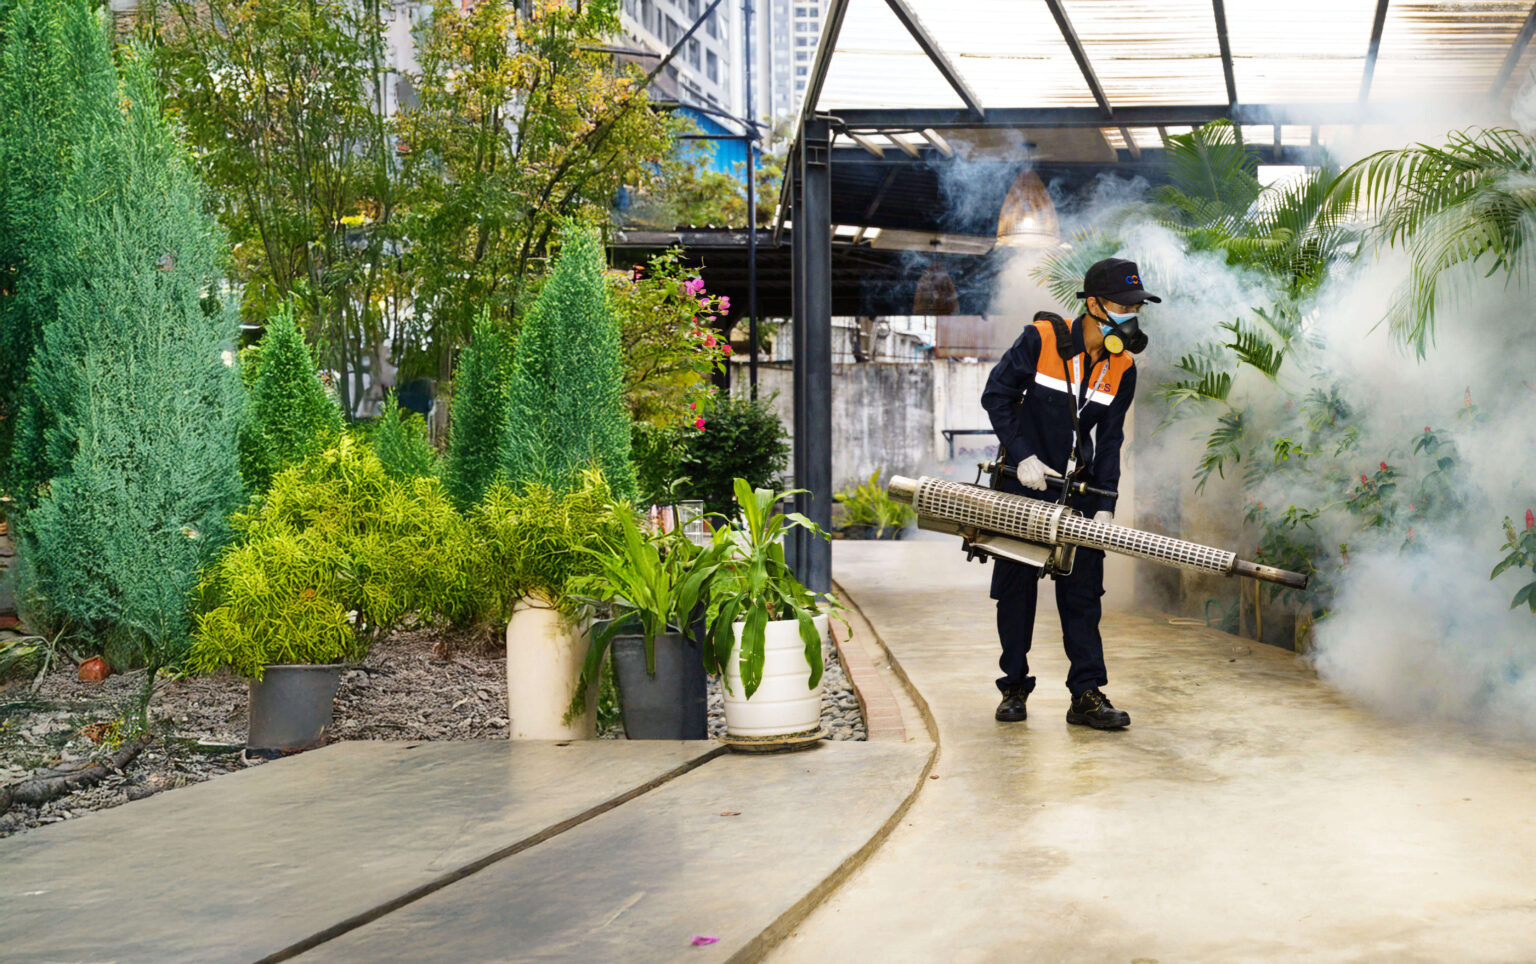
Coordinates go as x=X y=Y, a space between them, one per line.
x=783 y=703
x=544 y=657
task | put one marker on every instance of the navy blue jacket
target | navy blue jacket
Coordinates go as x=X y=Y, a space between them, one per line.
x=1041 y=423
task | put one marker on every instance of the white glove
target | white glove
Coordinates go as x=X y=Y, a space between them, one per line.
x=1104 y=516
x=1032 y=473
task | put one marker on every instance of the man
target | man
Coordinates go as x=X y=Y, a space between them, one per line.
x=1030 y=397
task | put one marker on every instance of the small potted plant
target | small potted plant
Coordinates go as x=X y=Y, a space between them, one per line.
x=871 y=513
x=327 y=563
x=535 y=544
x=654 y=585
x=767 y=631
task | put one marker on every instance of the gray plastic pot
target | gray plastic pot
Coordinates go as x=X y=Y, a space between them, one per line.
x=672 y=705
x=291 y=706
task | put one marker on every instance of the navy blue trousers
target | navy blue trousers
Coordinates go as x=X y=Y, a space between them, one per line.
x=1016 y=588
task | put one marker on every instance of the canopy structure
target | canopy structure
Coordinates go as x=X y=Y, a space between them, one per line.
x=902 y=90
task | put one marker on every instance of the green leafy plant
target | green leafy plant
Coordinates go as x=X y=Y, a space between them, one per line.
x=1521 y=554
x=868 y=504
x=652 y=582
x=670 y=345
x=532 y=541
x=290 y=416
x=744 y=438
x=565 y=397
x=753 y=584
x=329 y=562
x=400 y=441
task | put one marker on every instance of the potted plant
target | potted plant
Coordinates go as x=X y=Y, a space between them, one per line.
x=325 y=564
x=534 y=551
x=871 y=513
x=654 y=585
x=767 y=631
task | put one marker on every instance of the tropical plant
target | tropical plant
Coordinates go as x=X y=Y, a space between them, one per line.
x=130 y=405
x=400 y=441
x=478 y=418
x=743 y=438
x=530 y=542
x=753 y=584
x=565 y=396
x=868 y=504
x=330 y=561
x=290 y=416
x=1466 y=202
x=653 y=582
x=1521 y=553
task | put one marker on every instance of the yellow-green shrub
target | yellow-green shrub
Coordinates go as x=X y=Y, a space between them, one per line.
x=329 y=561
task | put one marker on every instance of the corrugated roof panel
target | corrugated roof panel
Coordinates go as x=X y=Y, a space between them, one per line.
x=1299 y=50
x=1162 y=52
x=876 y=63
x=1460 y=45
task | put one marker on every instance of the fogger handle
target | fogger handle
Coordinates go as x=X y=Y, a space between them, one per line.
x=1053 y=480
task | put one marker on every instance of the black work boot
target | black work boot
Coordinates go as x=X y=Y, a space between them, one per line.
x=1011 y=709
x=1093 y=708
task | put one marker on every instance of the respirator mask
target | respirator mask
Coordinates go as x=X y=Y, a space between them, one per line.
x=1122 y=332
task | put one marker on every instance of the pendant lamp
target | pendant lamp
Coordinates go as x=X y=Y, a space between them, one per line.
x=1028 y=219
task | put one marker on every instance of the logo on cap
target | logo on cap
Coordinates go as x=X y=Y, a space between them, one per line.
x=1132 y=279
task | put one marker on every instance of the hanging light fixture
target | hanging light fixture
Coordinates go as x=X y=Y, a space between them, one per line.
x=1028 y=219
x=936 y=294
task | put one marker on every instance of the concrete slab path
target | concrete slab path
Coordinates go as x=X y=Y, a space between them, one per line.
x=1248 y=814
x=252 y=863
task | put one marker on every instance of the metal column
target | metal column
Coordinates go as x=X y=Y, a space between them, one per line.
x=812 y=236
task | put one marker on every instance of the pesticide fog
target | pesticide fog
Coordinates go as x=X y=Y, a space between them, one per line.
x=1414 y=632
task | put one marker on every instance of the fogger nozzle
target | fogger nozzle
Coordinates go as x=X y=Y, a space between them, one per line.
x=976 y=508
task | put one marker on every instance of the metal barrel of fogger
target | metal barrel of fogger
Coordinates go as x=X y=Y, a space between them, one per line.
x=1050 y=524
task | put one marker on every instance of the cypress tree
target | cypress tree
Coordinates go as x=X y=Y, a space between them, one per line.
x=57 y=94
x=478 y=417
x=400 y=441
x=566 y=395
x=291 y=416
x=138 y=408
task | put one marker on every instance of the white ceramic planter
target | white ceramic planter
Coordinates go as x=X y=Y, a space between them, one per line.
x=783 y=703
x=544 y=658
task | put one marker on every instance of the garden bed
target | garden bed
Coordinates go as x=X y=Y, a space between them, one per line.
x=415 y=685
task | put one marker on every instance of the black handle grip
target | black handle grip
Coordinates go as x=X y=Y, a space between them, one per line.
x=1056 y=481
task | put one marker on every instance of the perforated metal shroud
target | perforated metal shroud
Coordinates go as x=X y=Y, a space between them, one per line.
x=1049 y=523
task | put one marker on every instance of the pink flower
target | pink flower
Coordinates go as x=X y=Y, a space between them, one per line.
x=693 y=285
x=636 y=272
x=698 y=423
x=703 y=939
x=709 y=341
x=726 y=349
x=1383 y=466
x=1412 y=507
x=694 y=406
x=1426 y=430
x=725 y=304
x=1530 y=519
x=1364 y=480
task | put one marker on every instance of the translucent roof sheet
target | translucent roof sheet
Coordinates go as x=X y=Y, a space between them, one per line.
x=1012 y=53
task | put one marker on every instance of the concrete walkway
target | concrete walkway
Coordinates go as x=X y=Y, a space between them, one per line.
x=1247 y=813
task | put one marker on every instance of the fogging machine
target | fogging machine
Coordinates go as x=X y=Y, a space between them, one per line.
x=1046 y=534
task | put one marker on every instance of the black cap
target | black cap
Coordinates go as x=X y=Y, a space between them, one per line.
x=1117 y=280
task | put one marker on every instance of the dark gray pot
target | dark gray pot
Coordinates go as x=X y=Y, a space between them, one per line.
x=670 y=706
x=858 y=532
x=291 y=706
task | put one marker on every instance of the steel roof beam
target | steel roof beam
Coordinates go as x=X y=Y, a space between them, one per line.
x=1219 y=8
x=1075 y=44
x=1516 y=51
x=865 y=119
x=936 y=55
x=1370 y=55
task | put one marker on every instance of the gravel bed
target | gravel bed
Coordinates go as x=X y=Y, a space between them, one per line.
x=415 y=685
